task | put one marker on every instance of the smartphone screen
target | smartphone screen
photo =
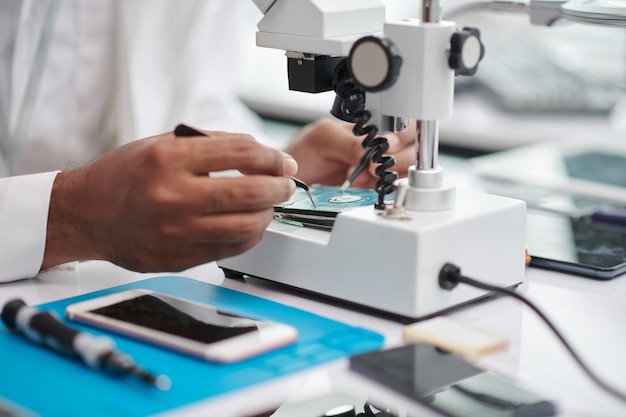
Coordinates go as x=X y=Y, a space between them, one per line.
x=156 y=313
x=448 y=384
x=183 y=325
x=576 y=245
x=595 y=166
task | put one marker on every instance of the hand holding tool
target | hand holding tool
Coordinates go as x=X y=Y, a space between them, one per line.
x=184 y=130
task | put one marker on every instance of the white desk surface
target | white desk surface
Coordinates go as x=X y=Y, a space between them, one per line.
x=588 y=312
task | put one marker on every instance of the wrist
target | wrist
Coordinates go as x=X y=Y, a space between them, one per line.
x=67 y=228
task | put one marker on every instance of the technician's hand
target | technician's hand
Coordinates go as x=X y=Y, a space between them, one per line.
x=150 y=205
x=327 y=151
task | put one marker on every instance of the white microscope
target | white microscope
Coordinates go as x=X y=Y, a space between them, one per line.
x=388 y=260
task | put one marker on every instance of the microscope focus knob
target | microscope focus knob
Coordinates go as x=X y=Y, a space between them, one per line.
x=466 y=51
x=374 y=63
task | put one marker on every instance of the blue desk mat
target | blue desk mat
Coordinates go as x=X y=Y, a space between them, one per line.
x=53 y=385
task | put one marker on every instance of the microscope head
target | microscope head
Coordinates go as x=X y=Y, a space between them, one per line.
x=316 y=35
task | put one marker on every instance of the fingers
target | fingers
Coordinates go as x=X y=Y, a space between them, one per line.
x=189 y=257
x=329 y=140
x=345 y=144
x=232 y=228
x=404 y=159
x=289 y=165
x=241 y=194
x=206 y=239
x=402 y=147
x=158 y=210
x=225 y=151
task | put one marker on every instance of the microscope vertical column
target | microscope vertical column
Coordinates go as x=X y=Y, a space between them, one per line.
x=427 y=134
x=424 y=91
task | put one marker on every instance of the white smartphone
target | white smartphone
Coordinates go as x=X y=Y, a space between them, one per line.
x=595 y=169
x=189 y=327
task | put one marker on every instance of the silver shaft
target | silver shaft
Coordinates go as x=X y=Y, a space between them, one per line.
x=427 y=143
x=431 y=11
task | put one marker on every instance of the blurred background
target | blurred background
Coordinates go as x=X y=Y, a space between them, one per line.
x=560 y=83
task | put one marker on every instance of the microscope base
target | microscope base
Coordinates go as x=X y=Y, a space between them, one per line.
x=393 y=265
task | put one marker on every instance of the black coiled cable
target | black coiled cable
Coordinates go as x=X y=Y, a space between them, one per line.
x=350 y=106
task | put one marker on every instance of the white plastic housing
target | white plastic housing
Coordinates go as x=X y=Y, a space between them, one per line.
x=393 y=265
x=264 y=5
x=326 y=27
x=425 y=87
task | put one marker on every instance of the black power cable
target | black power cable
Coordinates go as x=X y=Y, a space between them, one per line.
x=450 y=276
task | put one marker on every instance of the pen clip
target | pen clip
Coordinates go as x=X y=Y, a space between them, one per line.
x=186 y=131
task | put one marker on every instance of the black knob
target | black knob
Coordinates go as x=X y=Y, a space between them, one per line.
x=374 y=63
x=466 y=51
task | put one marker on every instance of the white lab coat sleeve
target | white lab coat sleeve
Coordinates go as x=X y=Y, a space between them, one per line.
x=178 y=62
x=24 y=203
